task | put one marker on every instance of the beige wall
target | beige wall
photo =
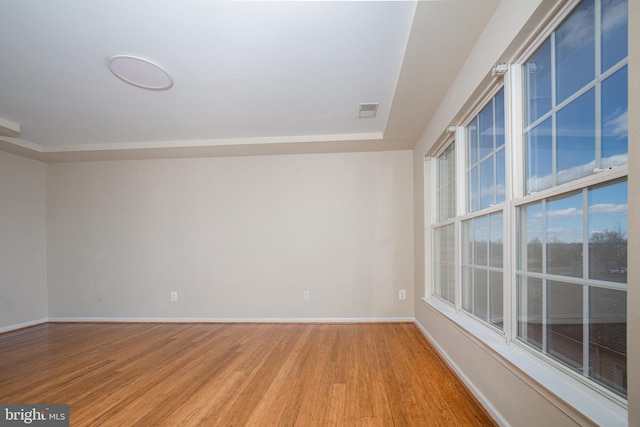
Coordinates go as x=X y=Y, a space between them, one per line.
x=23 y=274
x=237 y=238
x=512 y=399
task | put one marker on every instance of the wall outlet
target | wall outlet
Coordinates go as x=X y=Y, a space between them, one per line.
x=402 y=294
x=174 y=296
x=306 y=295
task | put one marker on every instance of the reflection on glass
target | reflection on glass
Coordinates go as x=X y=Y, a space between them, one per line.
x=495 y=239
x=538 y=83
x=485 y=126
x=539 y=155
x=564 y=323
x=474 y=192
x=530 y=258
x=615 y=119
x=496 y=305
x=614 y=32
x=608 y=338
x=575 y=51
x=446 y=184
x=530 y=311
x=481 y=240
x=576 y=139
x=472 y=142
x=487 y=183
x=480 y=294
x=444 y=266
x=501 y=191
x=564 y=236
x=499 y=121
x=608 y=233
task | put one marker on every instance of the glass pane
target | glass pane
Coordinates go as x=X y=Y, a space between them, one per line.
x=501 y=191
x=444 y=258
x=496 y=305
x=467 y=242
x=614 y=32
x=480 y=294
x=608 y=338
x=474 y=192
x=530 y=258
x=485 y=127
x=487 y=183
x=564 y=236
x=538 y=83
x=608 y=233
x=575 y=51
x=499 y=122
x=481 y=240
x=539 y=155
x=472 y=142
x=615 y=119
x=564 y=322
x=575 y=129
x=467 y=289
x=446 y=184
x=530 y=311
x=496 y=242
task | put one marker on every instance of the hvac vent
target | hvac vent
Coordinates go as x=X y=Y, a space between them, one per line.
x=368 y=111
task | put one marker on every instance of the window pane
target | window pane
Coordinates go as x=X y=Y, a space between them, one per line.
x=496 y=243
x=446 y=184
x=615 y=119
x=530 y=258
x=444 y=258
x=499 y=121
x=614 y=32
x=501 y=190
x=481 y=240
x=575 y=51
x=467 y=289
x=608 y=233
x=564 y=322
x=608 y=338
x=473 y=147
x=539 y=155
x=530 y=311
x=487 y=183
x=485 y=127
x=538 y=83
x=480 y=294
x=576 y=139
x=496 y=304
x=564 y=236
x=474 y=189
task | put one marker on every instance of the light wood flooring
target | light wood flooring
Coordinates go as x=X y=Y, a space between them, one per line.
x=236 y=375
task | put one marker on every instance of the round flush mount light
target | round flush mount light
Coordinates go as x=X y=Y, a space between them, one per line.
x=140 y=72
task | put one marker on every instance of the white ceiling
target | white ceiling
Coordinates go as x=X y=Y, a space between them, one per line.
x=249 y=77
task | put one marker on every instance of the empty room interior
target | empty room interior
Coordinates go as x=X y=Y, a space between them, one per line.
x=320 y=212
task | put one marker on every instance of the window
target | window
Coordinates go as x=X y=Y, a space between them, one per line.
x=555 y=190
x=444 y=234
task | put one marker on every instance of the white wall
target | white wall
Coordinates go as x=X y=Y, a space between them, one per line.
x=509 y=394
x=237 y=238
x=23 y=274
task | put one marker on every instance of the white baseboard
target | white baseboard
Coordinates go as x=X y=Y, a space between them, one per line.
x=232 y=319
x=22 y=325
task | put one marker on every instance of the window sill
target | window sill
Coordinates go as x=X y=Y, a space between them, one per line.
x=577 y=400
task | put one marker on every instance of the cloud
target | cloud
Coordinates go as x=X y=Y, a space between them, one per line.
x=565 y=213
x=617 y=124
x=615 y=15
x=577 y=31
x=608 y=209
x=613 y=161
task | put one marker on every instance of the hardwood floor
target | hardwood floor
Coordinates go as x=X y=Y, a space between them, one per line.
x=235 y=375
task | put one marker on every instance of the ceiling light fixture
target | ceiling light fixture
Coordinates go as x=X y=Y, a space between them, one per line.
x=140 y=72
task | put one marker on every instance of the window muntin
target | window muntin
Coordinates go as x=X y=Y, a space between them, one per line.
x=572 y=252
x=571 y=130
x=485 y=156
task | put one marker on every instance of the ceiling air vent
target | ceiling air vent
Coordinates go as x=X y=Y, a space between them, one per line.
x=368 y=111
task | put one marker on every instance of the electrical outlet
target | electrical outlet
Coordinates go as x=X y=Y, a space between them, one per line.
x=174 y=296
x=402 y=294
x=306 y=295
